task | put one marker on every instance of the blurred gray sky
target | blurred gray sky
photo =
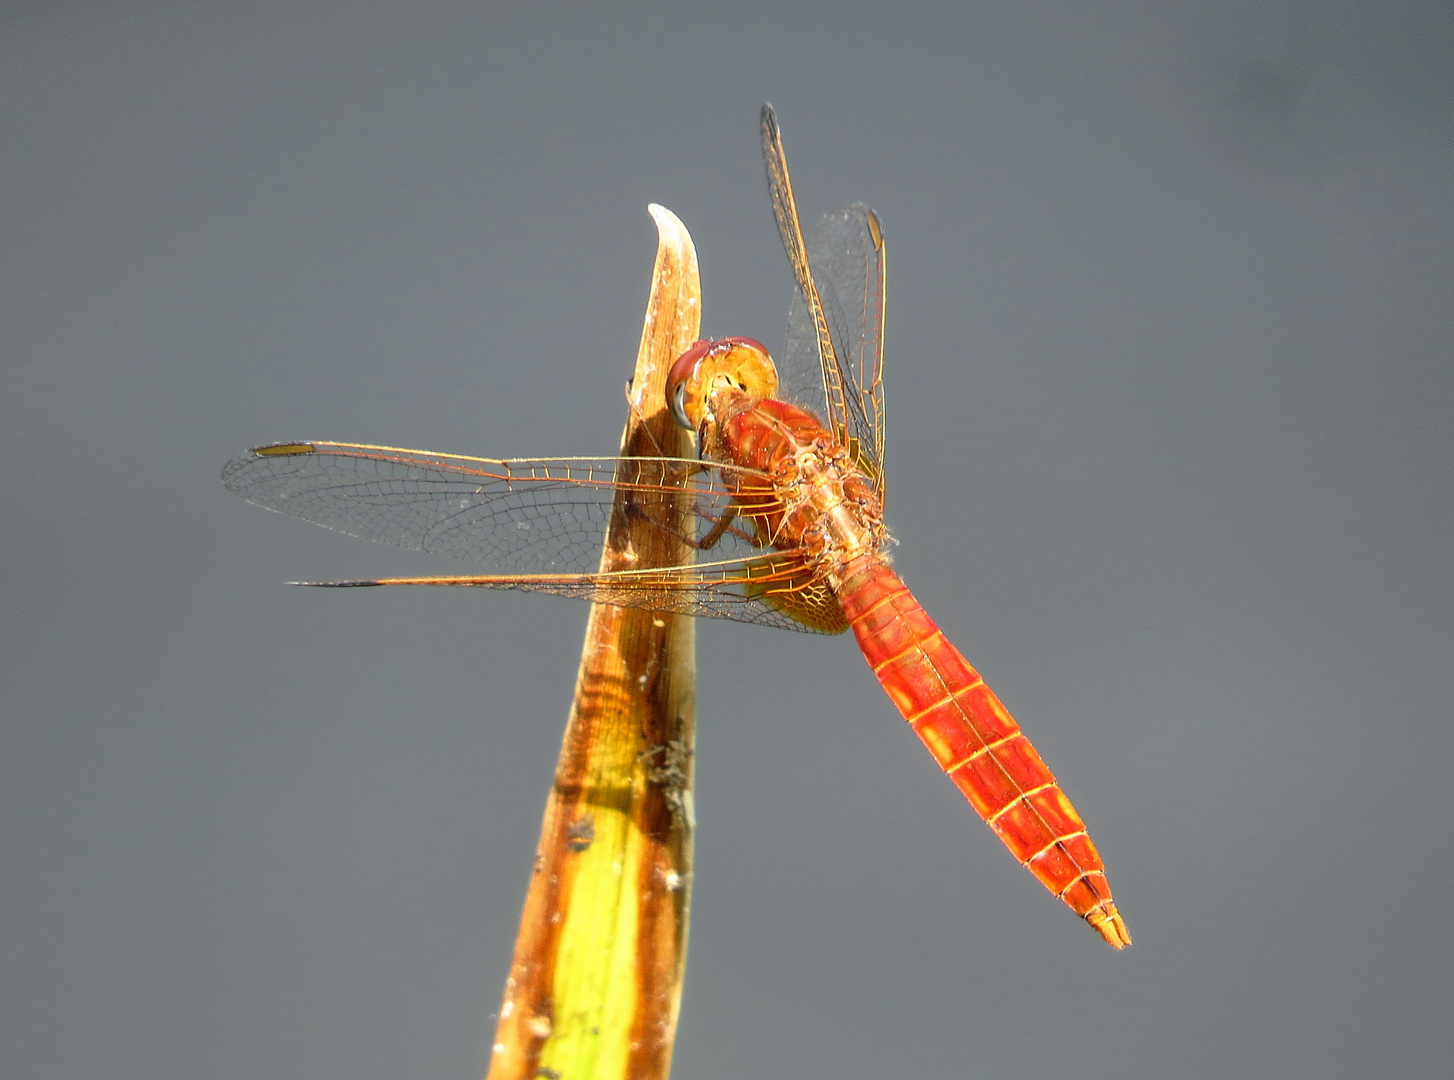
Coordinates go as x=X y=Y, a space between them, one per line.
x=1170 y=397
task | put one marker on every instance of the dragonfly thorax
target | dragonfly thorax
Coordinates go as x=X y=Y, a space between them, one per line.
x=822 y=503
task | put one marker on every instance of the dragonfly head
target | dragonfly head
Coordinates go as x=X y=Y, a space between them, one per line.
x=738 y=365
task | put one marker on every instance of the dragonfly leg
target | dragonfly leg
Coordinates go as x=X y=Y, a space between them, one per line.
x=719 y=529
x=724 y=525
x=721 y=526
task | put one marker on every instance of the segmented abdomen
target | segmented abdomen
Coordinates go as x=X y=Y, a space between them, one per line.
x=978 y=744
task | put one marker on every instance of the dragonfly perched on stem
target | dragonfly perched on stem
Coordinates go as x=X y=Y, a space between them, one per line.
x=787 y=525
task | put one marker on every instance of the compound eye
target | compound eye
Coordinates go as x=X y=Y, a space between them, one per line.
x=682 y=372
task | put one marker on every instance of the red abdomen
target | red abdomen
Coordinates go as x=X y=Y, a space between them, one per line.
x=978 y=744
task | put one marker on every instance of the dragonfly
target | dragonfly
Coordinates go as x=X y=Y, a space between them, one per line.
x=784 y=518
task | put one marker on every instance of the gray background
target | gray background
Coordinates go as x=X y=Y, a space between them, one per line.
x=1169 y=336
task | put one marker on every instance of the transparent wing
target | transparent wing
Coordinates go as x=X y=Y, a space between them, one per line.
x=834 y=357
x=847 y=256
x=547 y=517
x=771 y=589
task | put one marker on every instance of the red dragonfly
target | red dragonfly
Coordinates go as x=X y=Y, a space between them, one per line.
x=788 y=496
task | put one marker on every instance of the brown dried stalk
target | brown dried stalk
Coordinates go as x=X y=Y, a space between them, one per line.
x=595 y=984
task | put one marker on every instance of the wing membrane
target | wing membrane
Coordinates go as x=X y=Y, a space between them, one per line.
x=834 y=357
x=846 y=253
x=771 y=589
x=545 y=516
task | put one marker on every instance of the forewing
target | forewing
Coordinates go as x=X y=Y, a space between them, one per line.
x=532 y=514
x=846 y=253
x=834 y=359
